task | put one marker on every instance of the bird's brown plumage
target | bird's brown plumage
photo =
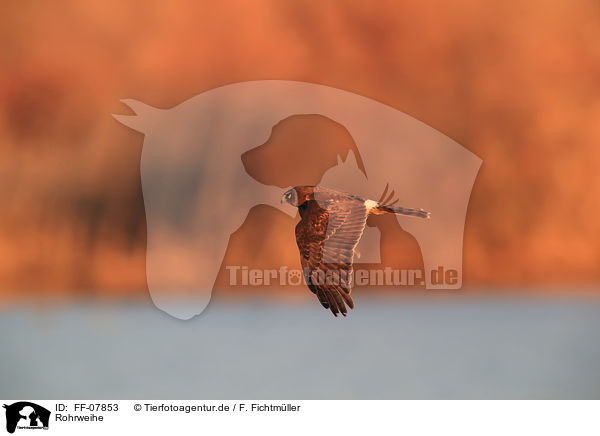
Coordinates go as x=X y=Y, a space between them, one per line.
x=326 y=237
x=332 y=224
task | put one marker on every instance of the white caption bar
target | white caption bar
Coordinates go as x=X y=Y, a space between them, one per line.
x=248 y=417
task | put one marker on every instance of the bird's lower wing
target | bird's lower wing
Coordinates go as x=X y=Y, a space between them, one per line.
x=328 y=266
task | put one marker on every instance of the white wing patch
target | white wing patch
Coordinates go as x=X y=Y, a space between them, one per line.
x=370 y=204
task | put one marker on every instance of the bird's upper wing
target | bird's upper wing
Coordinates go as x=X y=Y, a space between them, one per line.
x=327 y=236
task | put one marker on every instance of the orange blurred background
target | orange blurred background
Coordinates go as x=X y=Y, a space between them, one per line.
x=516 y=83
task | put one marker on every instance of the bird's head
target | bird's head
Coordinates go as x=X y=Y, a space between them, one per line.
x=290 y=196
x=298 y=195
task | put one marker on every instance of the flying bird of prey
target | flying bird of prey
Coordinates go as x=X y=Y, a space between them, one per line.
x=331 y=225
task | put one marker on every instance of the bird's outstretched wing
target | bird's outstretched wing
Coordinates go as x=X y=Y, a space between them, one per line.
x=327 y=236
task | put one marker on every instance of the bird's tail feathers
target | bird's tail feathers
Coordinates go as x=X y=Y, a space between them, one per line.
x=386 y=205
x=397 y=210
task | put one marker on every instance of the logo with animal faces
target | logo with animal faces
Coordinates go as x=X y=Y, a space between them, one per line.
x=25 y=415
x=212 y=161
